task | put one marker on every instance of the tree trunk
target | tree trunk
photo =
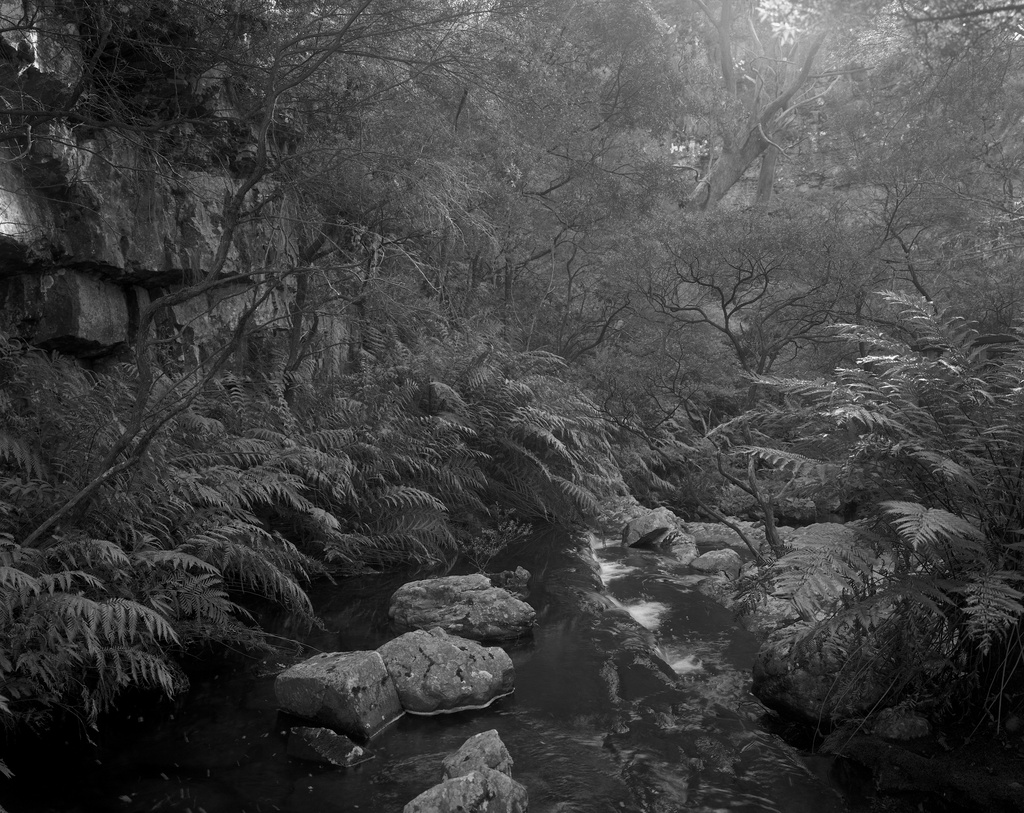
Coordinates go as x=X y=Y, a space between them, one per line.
x=728 y=169
x=766 y=178
x=733 y=162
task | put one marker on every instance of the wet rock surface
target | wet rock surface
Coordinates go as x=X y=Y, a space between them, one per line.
x=719 y=561
x=326 y=747
x=468 y=606
x=349 y=692
x=477 y=779
x=483 y=750
x=482 y=791
x=660 y=529
x=822 y=678
x=434 y=672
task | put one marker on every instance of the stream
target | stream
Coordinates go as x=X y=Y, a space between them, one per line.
x=631 y=697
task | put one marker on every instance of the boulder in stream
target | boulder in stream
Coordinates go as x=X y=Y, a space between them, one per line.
x=350 y=692
x=725 y=561
x=826 y=676
x=467 y=606
x=326 y=747
x=661 y=529
x=481 y=791
x=483 y=750
x=435 y=672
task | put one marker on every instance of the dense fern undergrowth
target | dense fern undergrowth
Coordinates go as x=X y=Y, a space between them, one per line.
x=119 y=559
x=926 y=432
x=253 y=487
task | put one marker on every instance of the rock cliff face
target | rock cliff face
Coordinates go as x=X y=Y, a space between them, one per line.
x=96 y=220
x=106 y=230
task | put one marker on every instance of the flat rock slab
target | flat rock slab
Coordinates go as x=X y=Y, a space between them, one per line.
x=483 y=750
x=468 y=606
x=482 y=791
x=350 y=692
x=326 y=747
x=435 y=672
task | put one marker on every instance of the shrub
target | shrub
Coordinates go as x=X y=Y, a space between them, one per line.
x=935 y=422
x=481 y=547
x=155 y=562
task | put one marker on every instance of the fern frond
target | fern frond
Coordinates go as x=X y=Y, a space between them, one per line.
x=193 y=423
x=398 y=498
x=993 y=606
x=175 y=560
x=258 y=565
x=27 y=459
x=123 y=666
x=797 y=465
x=65 y=581
x=935 y=530
x=582 y=499
x=201 y=596
x=824 y=572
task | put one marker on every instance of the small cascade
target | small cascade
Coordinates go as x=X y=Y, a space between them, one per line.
x=699 y=743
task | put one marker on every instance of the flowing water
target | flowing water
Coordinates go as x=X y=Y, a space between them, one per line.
x=632 y=697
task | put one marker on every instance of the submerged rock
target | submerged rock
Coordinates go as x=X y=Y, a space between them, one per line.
x=483 y=750
x=325 y=746
x=350 y=692
x=481 y=791
x=659 y=785
x=435 y=672
x=468 y=606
